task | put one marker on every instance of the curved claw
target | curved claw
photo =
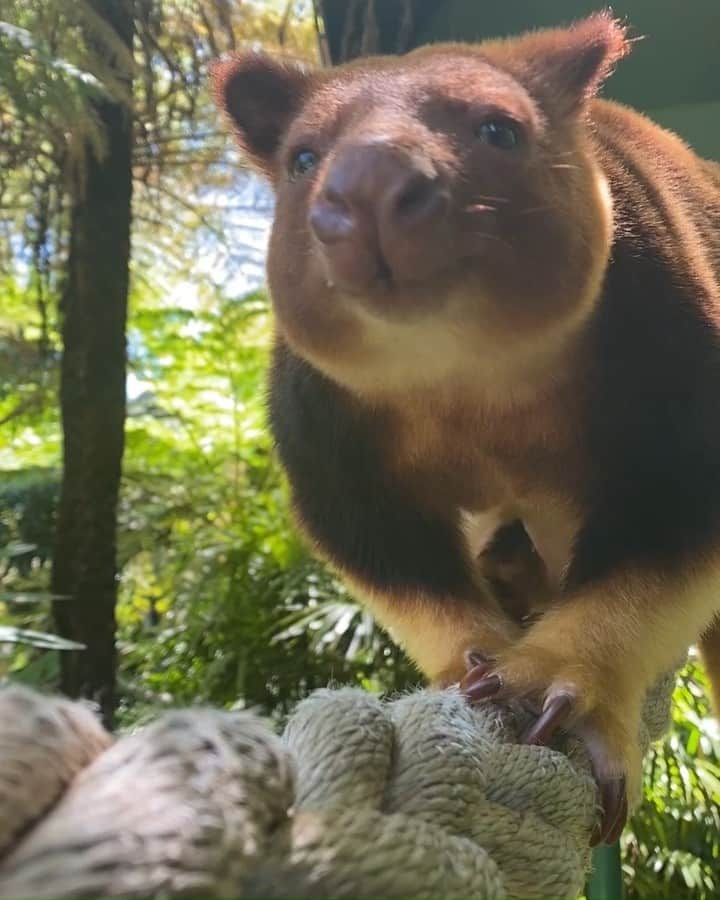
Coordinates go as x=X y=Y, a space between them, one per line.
x=613 y=793
x=479 y=685
x=475 y=658
x=614 y=834
x=479 y=666
x=613 y=797
x=555 y=714
x=481 y=682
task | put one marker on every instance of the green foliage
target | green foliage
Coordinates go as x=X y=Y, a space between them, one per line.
x=49 y=74
x=28 y=498
x=673 y=847
x=57 y=60
x=27 y=518
x=28 y=378
x=220 y=600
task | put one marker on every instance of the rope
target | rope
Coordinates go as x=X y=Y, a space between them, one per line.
x=418 y=797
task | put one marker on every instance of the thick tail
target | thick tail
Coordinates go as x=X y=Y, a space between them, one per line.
x=710 y=652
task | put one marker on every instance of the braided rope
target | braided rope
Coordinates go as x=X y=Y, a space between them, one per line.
x=418 y=797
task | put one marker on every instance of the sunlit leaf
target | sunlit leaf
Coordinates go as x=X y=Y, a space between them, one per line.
x=12 y=635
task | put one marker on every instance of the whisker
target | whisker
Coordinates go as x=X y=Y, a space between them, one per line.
x=487 y=198
x=479 y=208
x=563 y=166
x=493 y=237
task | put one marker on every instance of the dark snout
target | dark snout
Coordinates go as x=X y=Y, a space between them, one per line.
x=381 y=214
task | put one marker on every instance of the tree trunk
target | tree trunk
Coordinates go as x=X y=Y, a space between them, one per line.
x=92 y=397
x=355 y=28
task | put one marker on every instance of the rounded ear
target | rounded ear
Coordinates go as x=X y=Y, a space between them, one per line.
x=564 y=67
x=261 y=96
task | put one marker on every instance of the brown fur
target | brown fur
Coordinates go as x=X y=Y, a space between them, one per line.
x=547 y=355
x=710 y=652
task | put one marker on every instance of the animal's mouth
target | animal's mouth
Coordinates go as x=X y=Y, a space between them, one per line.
x=366 y=262
x=379 y=280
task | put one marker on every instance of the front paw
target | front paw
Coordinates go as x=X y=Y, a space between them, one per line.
x=572 y=697
x=466 y=656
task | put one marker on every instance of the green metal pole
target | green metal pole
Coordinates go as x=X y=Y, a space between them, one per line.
x=606 y=880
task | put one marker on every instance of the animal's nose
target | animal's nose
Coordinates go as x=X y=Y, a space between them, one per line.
x=365 y=194
x=376 y=213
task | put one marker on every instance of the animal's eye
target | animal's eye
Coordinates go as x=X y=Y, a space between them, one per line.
x=302 y=162
x=500 y=133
